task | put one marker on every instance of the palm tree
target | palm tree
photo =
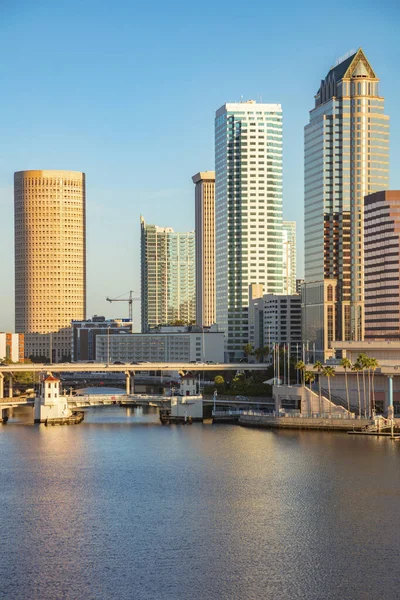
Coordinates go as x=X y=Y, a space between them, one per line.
x=329 y=372
x=357 y=368
x=248 y=350
x=373 y=365
x=300 y=366
x=362 y=360
x=309 y=377
x=346 y=364
x=319 y=367
x=368 y=367
x=261 y=352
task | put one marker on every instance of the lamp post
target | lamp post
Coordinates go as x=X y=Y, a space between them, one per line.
x=215 y=401
x=108 y=346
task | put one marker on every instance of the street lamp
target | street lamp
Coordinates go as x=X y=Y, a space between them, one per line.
x=108 y=346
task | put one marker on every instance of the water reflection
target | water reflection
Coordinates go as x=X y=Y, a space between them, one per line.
x=123 y=507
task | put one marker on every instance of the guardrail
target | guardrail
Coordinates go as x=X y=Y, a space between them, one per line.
x=226 y=413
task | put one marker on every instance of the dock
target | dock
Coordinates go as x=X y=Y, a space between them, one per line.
x=395 y=436
x=74 y=419
x=167 y=419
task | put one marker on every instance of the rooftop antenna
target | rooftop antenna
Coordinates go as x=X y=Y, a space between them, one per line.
x=345 y=56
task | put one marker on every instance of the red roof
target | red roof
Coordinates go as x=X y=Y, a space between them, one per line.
x=188 y=376
x=51 y=378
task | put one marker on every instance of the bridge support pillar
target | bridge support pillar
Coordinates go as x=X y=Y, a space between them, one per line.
x=128 y=382
x=4 y=415
x=1 y=385
x=132 y=390
x=10 y=386
x=390 y=408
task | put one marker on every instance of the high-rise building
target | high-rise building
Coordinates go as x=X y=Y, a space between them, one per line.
x=382 y=265
x=248 y=207
x=50 y=259
x=289 y=257
x=168 y=281
x=205 y=246
x=346 y=158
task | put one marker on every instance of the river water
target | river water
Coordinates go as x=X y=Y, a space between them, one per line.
x=121 y=507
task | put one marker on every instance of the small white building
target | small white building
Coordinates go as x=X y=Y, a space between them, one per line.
x=189 y=385
x=50 y=404
x=187 y=406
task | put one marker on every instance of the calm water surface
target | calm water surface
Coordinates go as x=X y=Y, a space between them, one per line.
x=120 y=507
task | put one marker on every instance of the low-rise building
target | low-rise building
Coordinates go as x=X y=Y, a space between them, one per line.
x=12 y=346
x=84 y=335
x=172 y=346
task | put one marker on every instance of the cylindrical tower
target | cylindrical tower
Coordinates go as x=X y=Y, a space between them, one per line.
x=50 y=259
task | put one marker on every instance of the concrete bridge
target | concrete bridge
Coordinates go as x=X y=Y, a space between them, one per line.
x=74 y=403
x=128 y=370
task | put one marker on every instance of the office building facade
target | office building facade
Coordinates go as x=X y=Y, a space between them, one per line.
x=168 y=284
x=12 y=346
x=84 y=335
x=289 y=257
x=248 y=213
x=177 y=346
x=205 y=246
x=346 y=158
x=382 y=265
x=50 y=259
x=275 y=319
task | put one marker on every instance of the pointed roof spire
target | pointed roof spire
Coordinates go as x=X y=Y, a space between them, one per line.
x=359 y=66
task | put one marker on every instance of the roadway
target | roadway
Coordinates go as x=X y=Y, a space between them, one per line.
x=104 y=368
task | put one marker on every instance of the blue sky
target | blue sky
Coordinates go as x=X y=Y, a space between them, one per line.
x=127 y=92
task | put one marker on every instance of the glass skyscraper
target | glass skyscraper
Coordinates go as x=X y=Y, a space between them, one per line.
x=346 y=158
x=248 y=213
x=168 y=283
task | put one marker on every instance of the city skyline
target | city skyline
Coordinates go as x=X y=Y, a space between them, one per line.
x=129 y=161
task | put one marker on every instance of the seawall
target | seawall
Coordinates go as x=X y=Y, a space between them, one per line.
x=302 y=422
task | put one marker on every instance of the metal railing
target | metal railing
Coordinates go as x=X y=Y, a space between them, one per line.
x=226 y=413
x=299 y=415
x=338 y=400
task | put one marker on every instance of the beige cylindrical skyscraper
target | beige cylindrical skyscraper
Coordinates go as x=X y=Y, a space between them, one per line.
x=50 y=259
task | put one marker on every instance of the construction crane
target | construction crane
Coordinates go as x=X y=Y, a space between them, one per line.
x=130 y=300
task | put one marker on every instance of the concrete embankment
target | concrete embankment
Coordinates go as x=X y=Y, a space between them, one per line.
x=302 y=422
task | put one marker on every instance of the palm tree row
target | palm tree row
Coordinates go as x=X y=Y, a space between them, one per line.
x=364 y=364
x=309 y=377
